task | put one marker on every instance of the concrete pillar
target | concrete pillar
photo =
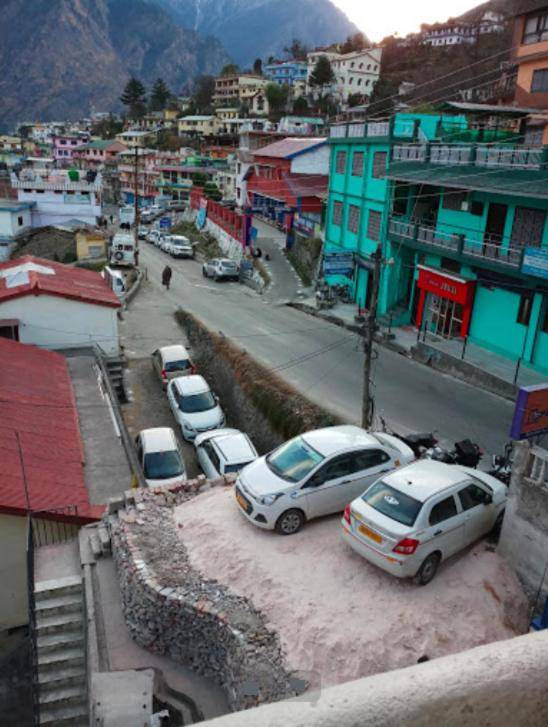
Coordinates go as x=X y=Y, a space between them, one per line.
x=532 y=328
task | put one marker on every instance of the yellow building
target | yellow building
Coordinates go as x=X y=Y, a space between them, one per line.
x=198 y=125
x=90 y=245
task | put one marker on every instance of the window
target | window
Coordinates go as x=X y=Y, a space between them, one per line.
x=214 y=458
x=545 y=316
x=454 y=199
x=379 y=164
x=443 y=511
x=359 y=81
x=374 y=225
x=528 y=227
x=337 y=213
x=472 y=496
x=353 y=218
x=357 y=163
x=369 y=458
x=394 y=504
x=367 y=82
x=524 y=310
x=340 y=162
x=20 y=221
x=536 y=29
x=540 y=80
x=341 y=466
x=293 y=460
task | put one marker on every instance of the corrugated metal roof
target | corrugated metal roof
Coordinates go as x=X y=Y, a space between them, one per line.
x=32 y=275
x=41 y=450
x=290 y=147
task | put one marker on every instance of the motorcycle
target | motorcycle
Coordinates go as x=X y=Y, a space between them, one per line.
x=419 y=442
x=465 y=453
x=502 y=465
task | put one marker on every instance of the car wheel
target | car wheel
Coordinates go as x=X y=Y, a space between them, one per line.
x=495 y=530
x=428 y=569
x=204 y=273
x=290 y=522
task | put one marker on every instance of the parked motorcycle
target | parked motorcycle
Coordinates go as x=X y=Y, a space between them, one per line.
x=419 y=442
x=502 y=465
x=465 y=453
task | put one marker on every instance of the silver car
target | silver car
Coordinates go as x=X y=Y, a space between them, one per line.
x=221 y=269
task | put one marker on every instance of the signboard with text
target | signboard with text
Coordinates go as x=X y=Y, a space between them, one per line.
x=531 y=412
x=165 y=223
x=338 y=263
x=535 y=262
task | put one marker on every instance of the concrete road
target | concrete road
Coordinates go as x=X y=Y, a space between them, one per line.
x=321 y=360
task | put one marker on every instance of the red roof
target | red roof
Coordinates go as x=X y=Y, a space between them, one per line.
x=290 y=147
x=290 y=187
x=33 y=275
x=41 y=450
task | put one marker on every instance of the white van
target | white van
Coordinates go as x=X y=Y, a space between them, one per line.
x=115 y=279
x=127 y=215
x=123 y=250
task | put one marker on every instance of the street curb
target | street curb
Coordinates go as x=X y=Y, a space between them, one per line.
x=132 y=292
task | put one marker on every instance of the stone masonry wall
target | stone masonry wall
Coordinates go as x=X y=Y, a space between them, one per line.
x=172 y=610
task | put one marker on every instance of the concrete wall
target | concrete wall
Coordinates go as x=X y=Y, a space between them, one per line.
x=503 y=684
x=54 y=322
x=9 y=222
x=56 y=209
x=313 y=162
x=524 y=537
x=13 y=571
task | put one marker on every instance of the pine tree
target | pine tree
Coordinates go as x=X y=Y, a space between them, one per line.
x=258 y=67
x=134 y=98
x=322 y=75
x=160 y=95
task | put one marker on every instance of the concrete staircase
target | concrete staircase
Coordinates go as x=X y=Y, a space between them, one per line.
x=60 y=642
x=114 y=366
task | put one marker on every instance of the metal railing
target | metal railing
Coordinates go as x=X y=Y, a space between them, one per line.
x=446 y=241
x=500 y=157
x=360 y=130
x=494 y=250
x=35 y=690
x=525 y=158
x=409 y=153
x=450 y=154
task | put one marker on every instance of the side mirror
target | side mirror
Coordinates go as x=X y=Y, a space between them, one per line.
x=488 y=499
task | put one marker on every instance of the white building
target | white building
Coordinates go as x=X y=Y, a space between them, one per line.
x=58 y=198
x=15 y=222
x=355 y=73
x=57 y=306
x=458 y=32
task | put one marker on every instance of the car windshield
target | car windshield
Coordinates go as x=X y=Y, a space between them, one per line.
x=294 y=460
x=227 y=264
x=392 y=503
x=198 y=402
x=182 y=365
x=235 y=467
x=163 y=465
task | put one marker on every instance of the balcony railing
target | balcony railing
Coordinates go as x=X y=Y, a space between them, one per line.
x=494 y=251
x=445 y=241
x=360 y=130
x=409 y=153
x=530 y=158
x=62 y=184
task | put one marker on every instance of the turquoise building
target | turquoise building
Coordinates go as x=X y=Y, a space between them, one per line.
x=459 y=206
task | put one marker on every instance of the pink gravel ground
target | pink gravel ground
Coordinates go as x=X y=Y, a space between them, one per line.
x=340 y=618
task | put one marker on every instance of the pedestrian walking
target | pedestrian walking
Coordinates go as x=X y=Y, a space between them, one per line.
x=112 y=219
x=166 y=276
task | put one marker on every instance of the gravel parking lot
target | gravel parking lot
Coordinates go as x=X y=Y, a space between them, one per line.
x=340 y=618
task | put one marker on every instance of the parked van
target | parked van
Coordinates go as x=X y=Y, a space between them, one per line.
x=127 y=215
x=116 y=281
x=123 y=250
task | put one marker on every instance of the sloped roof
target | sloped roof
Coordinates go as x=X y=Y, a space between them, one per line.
x=41 y=451
x=29 y=275
x=290 y=147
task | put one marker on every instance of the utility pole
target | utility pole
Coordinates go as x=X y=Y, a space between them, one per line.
x=136 y=197
x=369 y=330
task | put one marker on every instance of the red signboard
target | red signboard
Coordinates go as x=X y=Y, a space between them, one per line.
x=446 y=286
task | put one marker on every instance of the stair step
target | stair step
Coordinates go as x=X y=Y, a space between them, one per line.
x=46 y=624
x=54 y=642
x=63 y=658
x=56 y=604
x=62 y=675
x=59 y=586
x=62 y=695
x=74 y=714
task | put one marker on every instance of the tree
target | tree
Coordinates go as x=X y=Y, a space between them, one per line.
x=353 y=43
x=382 y=97
x=203 y=92
x=300 y=105
x=212 y=191
x=355 y=99
x=297 y=50
x=199 y=179
x=134 y=97
x=231 y=69
x=258 y=67
x=276 y=96
x=107 y=128
x=322 y=75
x=160 y=95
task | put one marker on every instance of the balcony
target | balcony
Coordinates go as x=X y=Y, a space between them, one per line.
x=490 y=252
x=371 y=129
x=54 y=183
x=477 y=155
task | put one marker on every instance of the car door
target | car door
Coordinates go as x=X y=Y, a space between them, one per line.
x=369 y=465
x=203 y=452
x=173 y=398
x=326 y=490
x=478 y=512
x=445 y=529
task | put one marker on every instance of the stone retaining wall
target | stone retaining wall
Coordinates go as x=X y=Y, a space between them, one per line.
x=172 y=610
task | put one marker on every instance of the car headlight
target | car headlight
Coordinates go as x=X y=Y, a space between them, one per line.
x=188 y=426
x=269 y=499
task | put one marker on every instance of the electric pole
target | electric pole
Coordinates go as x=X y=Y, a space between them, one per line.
x=369 y=330
x=136 y=197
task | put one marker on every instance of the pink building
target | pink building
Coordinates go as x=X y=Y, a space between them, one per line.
x=98 y=153
x=65 y=146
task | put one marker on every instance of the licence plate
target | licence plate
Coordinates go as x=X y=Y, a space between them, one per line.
x=241 y=502
x=370 y=534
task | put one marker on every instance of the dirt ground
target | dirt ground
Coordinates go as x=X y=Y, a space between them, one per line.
x=340 y=618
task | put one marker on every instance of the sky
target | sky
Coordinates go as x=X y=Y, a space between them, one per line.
x=401 y=16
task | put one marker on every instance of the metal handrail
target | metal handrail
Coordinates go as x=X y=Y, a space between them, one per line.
x=35 y=689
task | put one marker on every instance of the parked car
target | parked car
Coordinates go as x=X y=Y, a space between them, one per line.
x=159 y=456
x=224 y=451
x=180 y=246
x=146 y=215
x=155 y=210
x=194 y=405
x=315 y=474
x=142 y=232
x=176 y=205
x=221 y=269
x=156 y=237
x=164 y=243
x=169 y=362
x=407 y=522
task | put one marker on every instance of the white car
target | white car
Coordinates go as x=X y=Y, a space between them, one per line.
x=142 y=232
x=224 y=451
x=180 y=246
x=194 y=406
x=170 y=362
x=164 y=243
x=146 y=216
x=159 y=457
x=315 y=474
x=156 y=237
x=410 y=520
x=221 y=269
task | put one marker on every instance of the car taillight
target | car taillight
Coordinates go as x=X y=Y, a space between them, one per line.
x=193 y=369
x=346 y=516
x=407 y=546
x=164 y=374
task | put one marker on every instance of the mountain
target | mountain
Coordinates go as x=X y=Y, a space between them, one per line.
x=252 y=29
x=61 y=58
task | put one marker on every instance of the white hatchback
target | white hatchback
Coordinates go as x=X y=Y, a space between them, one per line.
x=159 y=457
x=314 y=474
x=194 y=406
x=224 y=451
x=410 y=520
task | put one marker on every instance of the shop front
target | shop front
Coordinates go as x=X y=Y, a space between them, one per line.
x=445 y=303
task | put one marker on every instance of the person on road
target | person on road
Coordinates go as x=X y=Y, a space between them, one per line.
x=166 y=276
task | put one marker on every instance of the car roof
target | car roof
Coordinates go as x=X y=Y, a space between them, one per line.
x=174 y=353
x=330 y=440
x=425 y=478
x=235 y=447
x=158 y=439
x=193 y=384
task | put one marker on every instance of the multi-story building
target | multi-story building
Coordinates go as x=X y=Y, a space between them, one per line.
x=530 y=53
x=238 y=89
x=15 y=222
x=355 y=73
x=463 y=225
x=140 y=164
x=456 y=32
x=198 y=125
x=60 y=197
x=132 y=138
x=64 y=147
x=286 y=73
x=98 y=153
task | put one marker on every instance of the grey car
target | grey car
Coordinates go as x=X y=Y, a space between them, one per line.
x=221 y=269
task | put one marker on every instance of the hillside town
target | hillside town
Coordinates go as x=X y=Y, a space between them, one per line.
x=274 y=391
